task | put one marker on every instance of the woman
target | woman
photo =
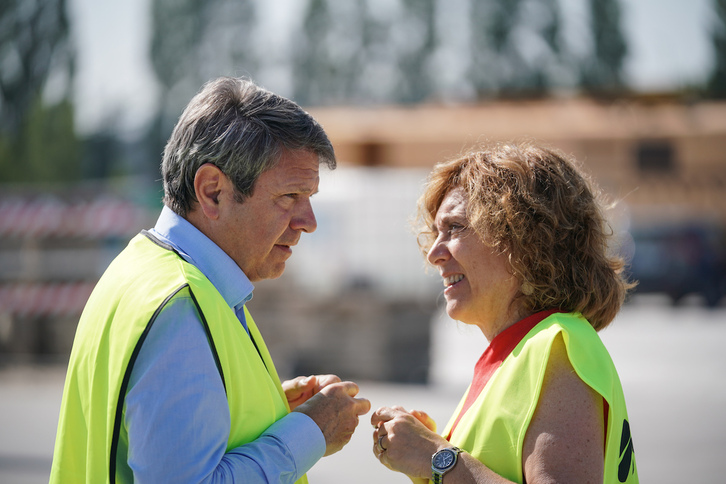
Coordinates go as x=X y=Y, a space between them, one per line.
x=519 y=238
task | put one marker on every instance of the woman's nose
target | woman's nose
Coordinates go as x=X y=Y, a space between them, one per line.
x=438 y=253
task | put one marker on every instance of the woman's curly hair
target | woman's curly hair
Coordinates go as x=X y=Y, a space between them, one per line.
x=536 y=206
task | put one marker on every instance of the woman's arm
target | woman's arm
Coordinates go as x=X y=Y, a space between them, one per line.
x=410 y=444
x=564 y=442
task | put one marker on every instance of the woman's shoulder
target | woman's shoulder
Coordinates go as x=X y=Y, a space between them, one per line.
x=569 y=338
x=576 y=331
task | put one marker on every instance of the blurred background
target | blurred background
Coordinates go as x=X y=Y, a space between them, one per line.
x=634 y=89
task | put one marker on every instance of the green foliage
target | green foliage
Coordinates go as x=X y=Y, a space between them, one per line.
x=716 y=86
x=34 y=45
x=314 y=64
x=603 y=73
x=416 y=82
x=37 y=140
x=393 y=51
x=45 y=150
x=361 y=52
x=515 y=47
x=195 y=41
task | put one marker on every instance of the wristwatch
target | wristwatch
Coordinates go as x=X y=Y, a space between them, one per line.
x=442 y=462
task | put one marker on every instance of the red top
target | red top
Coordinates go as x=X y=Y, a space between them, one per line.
x=497 y=351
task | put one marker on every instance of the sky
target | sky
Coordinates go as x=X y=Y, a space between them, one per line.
x=669 y=43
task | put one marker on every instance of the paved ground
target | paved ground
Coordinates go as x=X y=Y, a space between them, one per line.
x=671 y=361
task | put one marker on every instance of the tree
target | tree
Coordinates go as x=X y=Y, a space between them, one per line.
x=547 y=66
x=603 y=72
x=314 y=68
x=37 y=136
x=716 y=86
x=514 y=46
x=195 y=41
x=362 y=52
x=494 y=58
x=416 y=84
x=47 y=148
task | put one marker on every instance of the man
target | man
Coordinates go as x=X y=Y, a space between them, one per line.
x=169 y=379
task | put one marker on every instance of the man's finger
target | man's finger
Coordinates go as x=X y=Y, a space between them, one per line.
x=363 y=406
x=325 y=380
x=347 y=387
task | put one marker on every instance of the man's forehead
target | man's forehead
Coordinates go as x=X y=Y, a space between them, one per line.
x=303 y=176
x=292 y=177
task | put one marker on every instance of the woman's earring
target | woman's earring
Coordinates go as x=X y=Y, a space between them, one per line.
x=527 y=288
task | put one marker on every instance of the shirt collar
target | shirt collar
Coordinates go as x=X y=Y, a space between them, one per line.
x=199 y=250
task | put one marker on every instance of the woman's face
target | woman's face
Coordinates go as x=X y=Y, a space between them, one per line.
x=480 y=287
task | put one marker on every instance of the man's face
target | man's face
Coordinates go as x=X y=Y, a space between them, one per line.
x=258 y=234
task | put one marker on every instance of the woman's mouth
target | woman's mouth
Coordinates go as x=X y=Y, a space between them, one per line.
x=453 y=279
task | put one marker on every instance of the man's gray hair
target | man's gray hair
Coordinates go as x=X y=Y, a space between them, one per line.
x=242 y=129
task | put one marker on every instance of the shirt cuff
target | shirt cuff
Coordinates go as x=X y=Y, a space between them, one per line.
x=303 y=438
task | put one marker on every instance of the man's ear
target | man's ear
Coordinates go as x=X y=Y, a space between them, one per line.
x=209 y=183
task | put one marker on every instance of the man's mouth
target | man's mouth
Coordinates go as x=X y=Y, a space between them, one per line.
x=286 y=248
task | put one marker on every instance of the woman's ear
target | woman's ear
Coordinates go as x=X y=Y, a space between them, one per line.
x=209 y=183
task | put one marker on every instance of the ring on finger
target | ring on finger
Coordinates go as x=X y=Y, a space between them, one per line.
x=380 y=443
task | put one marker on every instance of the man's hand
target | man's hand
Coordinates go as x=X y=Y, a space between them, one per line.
x=335 y=410
x=300 y=389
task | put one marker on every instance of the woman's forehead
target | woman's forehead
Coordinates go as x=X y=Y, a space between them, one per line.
x=454 y=204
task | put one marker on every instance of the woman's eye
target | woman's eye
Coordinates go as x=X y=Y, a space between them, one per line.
x=450 y=229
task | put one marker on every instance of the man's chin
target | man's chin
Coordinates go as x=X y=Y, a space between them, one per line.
x=275 y=272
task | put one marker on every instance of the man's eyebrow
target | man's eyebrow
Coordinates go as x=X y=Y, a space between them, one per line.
x=301 y=188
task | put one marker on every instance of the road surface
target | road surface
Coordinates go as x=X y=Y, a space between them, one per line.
x=672 y=363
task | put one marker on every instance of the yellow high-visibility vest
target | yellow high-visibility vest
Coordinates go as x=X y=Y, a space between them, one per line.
x=137 y=285
x=494 y=427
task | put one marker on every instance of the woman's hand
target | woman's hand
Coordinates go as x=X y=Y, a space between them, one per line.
x=424 y=418
x=300 y=389
x=404 y=441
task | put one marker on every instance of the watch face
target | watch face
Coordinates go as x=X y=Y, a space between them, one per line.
x=443 y=459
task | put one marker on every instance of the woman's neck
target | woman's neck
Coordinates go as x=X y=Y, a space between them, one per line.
x=492 y=328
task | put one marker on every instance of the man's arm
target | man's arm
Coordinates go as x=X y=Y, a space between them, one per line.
x=178 y=420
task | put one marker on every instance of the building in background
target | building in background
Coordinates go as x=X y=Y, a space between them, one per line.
x=358 y=300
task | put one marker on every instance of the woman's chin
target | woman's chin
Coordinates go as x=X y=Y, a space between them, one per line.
x=456 y=312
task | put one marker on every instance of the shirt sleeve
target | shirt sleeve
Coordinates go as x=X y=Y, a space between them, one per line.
x=177 y=417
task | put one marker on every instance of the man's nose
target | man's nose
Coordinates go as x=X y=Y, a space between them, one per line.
x=304 y=219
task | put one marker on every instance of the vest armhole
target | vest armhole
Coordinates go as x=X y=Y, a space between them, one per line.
x=127 y=377
x=209 y=339
x=166 y=246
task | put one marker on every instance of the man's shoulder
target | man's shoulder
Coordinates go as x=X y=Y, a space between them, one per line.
x=141 y=271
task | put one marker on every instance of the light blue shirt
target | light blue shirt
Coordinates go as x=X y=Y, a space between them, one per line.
x=176 y=411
